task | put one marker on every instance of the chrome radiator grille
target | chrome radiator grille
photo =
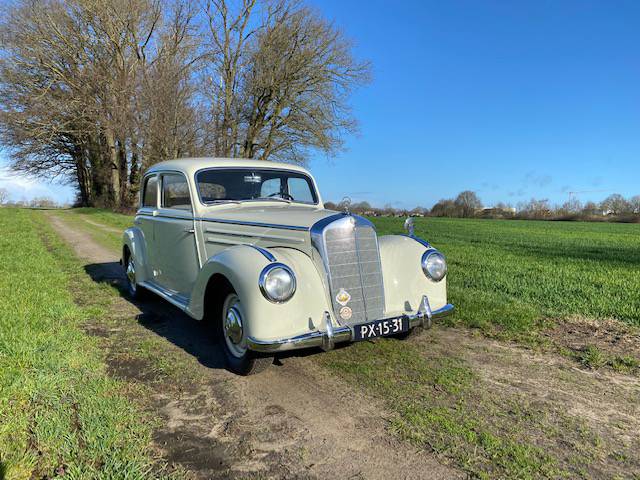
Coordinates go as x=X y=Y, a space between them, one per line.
x=353 y=262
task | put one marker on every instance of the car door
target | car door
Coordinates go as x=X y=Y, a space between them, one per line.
x=145 y=221
x=175 y=236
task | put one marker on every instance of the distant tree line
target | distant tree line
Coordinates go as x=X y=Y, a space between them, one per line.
x=97 y=91
x=468 y=205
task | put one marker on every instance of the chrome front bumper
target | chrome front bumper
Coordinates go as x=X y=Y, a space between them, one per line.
x=331 y=335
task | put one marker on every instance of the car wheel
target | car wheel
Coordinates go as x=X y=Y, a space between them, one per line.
x=135 y=291
x=232 y=339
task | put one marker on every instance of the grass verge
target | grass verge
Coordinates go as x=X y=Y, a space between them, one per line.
x=60 y=412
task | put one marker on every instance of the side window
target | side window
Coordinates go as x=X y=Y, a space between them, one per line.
x=299 y=190
x=150 y=196
x=269 y=187
x=175 y=192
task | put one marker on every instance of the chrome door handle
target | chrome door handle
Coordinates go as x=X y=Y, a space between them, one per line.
x=189 y=230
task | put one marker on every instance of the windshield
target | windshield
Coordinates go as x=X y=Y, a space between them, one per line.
x=242 y=184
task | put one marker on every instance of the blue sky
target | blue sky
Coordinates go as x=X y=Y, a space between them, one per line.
x=511 y=99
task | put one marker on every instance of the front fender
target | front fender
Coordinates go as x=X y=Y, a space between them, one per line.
x=241 y=266
x=404 y=281
x=133 y=238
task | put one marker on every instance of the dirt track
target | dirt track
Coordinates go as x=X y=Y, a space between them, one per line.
x=293 y=421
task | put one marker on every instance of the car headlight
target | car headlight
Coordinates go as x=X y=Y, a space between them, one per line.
x=434 y=265
x=277 y=282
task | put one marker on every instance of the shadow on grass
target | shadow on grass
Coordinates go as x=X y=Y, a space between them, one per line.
x=162 y=318
x=165 y=320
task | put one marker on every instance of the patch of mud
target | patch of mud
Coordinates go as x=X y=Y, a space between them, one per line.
x=611 y=336
x=335 y=430
x=126 y=367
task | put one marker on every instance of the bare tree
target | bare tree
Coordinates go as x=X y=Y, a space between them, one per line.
x=468 y=203
x=280 y=77
x=591 y=209
x=73 y=79
x=535 y=209
x=615 y=205
x=4 y=196
x=634 y=203
x=445 y=208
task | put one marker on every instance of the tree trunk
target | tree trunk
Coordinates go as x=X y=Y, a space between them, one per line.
x=123 y=199
x=111 y=164
x=82 y=177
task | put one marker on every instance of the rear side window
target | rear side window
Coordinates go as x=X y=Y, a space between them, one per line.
x=150 y=196
x=175 y=192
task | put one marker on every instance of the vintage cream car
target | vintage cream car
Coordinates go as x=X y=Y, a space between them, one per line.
x=248 y=246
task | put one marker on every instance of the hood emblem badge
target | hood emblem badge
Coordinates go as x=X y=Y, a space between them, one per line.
x=343 y=297
x=346 y=205
x=346 y=313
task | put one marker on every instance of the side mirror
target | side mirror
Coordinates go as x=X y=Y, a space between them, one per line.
x=409 y=226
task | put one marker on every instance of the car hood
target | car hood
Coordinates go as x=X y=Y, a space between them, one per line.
x=284 y=215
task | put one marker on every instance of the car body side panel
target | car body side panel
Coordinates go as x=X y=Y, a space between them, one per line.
x=404 y=281
x=218 y=236
x=241 y=265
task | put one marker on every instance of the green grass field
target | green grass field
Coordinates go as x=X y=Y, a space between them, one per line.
x=60 y=411
x=511 y=274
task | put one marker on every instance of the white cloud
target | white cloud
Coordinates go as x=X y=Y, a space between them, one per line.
x=21 y=187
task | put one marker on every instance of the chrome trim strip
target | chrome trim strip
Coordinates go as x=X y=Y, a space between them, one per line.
x=267 y=254
x=338 y=334
x=254 y=224
x=223 y=242
x=231 y=222
x=161 y=215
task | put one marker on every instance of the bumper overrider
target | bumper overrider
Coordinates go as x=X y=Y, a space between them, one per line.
x=330 y=335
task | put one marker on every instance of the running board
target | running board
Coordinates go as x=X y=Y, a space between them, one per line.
x=172 y=297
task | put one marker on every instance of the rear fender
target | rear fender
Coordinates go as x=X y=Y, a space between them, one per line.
x=133 y=239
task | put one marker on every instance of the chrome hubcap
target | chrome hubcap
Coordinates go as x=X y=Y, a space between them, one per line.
x=232 y=326
x=131 y=275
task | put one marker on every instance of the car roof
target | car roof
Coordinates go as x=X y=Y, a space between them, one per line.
x=191 y=165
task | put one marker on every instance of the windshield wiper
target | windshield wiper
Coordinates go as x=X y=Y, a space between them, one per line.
x=271 y=199
x=222 y=201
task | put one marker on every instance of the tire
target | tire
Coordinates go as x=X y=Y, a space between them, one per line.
x=231 y=337
x=135 y=291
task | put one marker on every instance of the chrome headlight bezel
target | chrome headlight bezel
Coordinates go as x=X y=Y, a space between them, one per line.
x=264 y=277
x=427 y=262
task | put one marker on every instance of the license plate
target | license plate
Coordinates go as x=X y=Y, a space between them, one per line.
x=380 y=328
